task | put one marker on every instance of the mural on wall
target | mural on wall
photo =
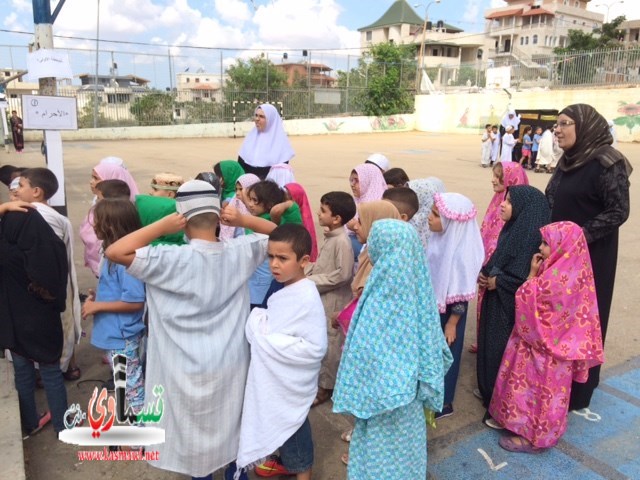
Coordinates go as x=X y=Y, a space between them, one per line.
x=392 y=122
x=332 y=125
x=464 y=119
x=631 y=115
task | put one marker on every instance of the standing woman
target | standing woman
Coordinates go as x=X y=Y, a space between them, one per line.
x=590 y=187
x=265 y=145
x=16 y=131
x=524 y=211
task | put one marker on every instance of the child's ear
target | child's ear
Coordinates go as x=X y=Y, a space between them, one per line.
x=305 y=260
x=337 y=220
x=404 y=217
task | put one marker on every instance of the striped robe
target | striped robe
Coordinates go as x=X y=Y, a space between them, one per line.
x=198 y=302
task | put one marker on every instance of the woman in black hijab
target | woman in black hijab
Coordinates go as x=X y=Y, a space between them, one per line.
x=590 y=187
x=524 y=210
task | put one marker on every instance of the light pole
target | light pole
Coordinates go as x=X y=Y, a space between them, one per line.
x=608 y=5
x=424 y=38
x=95 y=79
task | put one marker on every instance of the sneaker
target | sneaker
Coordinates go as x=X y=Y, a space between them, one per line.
x=271 y=468
x=447 y=411
x=491 y=423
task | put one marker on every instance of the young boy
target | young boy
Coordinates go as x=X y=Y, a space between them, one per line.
x=527 y=144
x=495 y=145
x=404 y=199
x=332 y=274
x=535 y=147
x=487 y=143
x=37 y=186
x=33 y=287
x=113 y=189
x=288 y=342
x=198 y=302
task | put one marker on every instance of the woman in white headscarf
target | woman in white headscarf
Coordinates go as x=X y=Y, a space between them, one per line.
x=265 y=145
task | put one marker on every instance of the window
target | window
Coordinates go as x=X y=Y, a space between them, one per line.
x=197 y=80
x=434 y=52
x=118 y=98
x=534 y=40
x=521 y=40
x=369 y=35
x=7 y=74
x=449 y=52
x=526 y=40
x=188 y=79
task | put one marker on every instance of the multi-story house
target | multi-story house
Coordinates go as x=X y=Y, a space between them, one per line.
x=446 y=47
x=317 y=74
x=530 y=29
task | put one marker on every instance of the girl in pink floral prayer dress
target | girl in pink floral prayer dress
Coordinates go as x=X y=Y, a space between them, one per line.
x=556 y=339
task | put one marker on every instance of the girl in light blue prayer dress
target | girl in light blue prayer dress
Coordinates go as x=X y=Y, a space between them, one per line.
x=394 y=360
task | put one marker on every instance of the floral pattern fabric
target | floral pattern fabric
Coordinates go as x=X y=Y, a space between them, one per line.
x=556 y=339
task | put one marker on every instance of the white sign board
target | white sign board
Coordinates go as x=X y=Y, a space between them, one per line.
x=45 y=63
x=499 y=77
x=40 y=112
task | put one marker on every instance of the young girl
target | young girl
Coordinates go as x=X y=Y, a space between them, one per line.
x=105 y=170
x=239 y=201
x=504 y=175
x=367 y=184
x=294 y=192
x=368 y=213
x=228 y=172
x=118 y=303
x=524 y=210
x=282 y=174
x=527 y=144
x=455 y=255
x=556 y=339
x=394 y=360
x=425 y=188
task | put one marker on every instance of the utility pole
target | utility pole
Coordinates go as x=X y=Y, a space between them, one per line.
x=43 y=28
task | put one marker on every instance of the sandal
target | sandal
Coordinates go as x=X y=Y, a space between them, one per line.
x=345 y=458
x=72 y=373
x=322 y=396
x=44 y=419
x=518 y=444
x=346 y=436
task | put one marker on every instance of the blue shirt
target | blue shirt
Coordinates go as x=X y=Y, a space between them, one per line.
x=111 y=329
x=526 y=144
x=536 y=142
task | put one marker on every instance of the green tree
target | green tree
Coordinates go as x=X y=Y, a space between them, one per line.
x=252 y=79
x=155 y=108
x=586 y=52
x=202 y=111
x=383 y=83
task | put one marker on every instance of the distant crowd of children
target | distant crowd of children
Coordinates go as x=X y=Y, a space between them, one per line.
x=249 y=323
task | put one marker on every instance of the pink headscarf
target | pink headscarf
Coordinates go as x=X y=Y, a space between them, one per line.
x=512 y=174
x=112 y=171
x=557 y=310
x=227 y=232
x=299 y=196
x=372 y=184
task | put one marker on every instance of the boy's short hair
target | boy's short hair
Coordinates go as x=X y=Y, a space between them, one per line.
x=341 y=204
x=114 y=188
x=42 y=178
x=396 y=177
x=204 y=221
x=495 y=126
x=295 y=235
x=487 y=125
x=268 y=193
x=404 y=199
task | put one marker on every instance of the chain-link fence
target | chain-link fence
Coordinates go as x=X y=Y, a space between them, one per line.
x=182 y=86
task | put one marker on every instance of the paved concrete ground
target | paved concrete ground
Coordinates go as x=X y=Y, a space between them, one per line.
x=609 y=449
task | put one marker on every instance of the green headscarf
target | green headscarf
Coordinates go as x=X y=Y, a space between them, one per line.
x=231 y=171
x=152 y=209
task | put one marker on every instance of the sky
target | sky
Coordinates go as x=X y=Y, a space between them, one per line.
x=327 y=29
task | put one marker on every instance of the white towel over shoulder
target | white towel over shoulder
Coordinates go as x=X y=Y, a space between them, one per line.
x=288 y=342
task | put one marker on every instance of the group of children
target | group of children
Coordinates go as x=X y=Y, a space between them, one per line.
x=249 y=324
x=496 y=147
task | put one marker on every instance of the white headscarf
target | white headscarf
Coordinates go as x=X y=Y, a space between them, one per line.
x=282 y=174
x=425 y=189
x=267 y=148
x=456 y=254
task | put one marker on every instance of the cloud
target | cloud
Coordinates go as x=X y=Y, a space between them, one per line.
x=471 y=11
x=234 y=12
x=497 y=4
x=303 y=23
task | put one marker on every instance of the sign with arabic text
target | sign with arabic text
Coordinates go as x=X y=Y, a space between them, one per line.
x=41 y=112
x=46 y=63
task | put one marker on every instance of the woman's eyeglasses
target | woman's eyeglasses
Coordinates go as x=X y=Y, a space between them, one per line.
x=565 y=124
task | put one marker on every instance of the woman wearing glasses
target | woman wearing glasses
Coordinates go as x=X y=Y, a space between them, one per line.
x=265 y=145
x=590 y=187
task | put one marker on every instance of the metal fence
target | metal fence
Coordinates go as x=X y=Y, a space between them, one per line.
x=164 y=100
